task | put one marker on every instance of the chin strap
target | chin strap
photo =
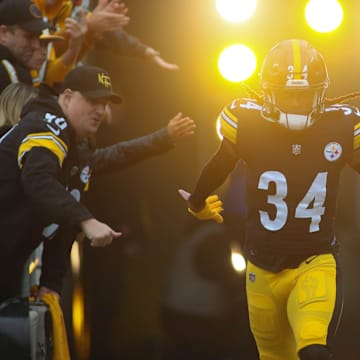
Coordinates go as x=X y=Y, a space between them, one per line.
x=295 y=121
x=272 y=112
x=291 y=121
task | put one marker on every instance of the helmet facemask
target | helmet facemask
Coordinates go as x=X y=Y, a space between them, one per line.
x=294 y=80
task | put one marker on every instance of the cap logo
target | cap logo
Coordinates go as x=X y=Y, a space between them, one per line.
x=104 y=79
x=34 y=11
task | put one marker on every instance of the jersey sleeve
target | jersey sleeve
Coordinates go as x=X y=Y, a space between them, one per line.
x=126 y=153
x=355 y=161
x=228 y=123
x=357 y=136
x=46 y=140
x=41 y=153
x=213 y=174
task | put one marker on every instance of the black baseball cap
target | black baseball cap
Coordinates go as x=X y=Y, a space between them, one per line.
x=92 y=82
x=23 y=13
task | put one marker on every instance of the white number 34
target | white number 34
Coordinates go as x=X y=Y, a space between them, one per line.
x=311 y=206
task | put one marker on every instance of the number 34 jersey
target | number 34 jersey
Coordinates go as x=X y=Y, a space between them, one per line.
x=292 y=180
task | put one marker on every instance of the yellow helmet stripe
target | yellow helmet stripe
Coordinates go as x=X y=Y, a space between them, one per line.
x=297 y=59
x=46 y=140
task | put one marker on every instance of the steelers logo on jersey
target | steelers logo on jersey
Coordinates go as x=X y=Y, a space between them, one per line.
x=332 y=151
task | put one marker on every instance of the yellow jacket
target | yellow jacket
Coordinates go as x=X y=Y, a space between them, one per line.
x=54 y=70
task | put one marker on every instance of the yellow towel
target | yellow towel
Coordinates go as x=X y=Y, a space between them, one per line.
x=61 y=348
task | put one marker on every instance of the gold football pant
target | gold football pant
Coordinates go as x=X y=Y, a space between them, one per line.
x=294 y=308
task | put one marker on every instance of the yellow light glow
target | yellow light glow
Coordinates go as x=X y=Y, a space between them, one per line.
x=238 y=261
x=237 y=63
x=75 y=258
x=324 y=15
x=236 y=10
x=78 y=312
x=80 y=328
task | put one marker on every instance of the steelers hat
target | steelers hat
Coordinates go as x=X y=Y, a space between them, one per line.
x=92 y=82
x=23 y=13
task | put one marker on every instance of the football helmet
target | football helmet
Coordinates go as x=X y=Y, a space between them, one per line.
x=294 y=79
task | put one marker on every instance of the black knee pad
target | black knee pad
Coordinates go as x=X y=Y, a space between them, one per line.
x=315 y=352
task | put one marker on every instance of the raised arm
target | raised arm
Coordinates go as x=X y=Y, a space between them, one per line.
x=126 y=153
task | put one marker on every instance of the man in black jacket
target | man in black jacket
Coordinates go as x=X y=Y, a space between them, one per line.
x=49 y=152
x=35 y=160
x=20 y=27
x=92 y=162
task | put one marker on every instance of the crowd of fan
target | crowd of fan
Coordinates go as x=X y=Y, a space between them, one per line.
x=52 y=102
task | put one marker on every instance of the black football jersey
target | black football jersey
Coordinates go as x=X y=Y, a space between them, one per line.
x=291 y=180
x=34 y=158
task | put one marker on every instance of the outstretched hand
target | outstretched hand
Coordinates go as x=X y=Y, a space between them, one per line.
x=180 y=127
x=210 y=211
x=98 y=233
x=108 y=16
x=155 y=57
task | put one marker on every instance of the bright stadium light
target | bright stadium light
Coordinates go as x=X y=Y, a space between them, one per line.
x=324 y=15
x=237 y=63
x=238 y=261
x=236 y=10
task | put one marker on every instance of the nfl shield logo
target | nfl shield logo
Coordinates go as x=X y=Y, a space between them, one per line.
x=296 y=149
x=252 y=277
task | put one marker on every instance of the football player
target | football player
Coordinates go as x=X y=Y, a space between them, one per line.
x=294 y=144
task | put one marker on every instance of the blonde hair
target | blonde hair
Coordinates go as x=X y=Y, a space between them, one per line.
x=12 y=100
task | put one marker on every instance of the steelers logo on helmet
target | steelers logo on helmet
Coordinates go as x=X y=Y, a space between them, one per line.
x=332 y=151
x=294 y=79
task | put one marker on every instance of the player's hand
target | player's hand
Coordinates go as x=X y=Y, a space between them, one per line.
x=210 y=211
x=180 y=127
x=98 y=233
